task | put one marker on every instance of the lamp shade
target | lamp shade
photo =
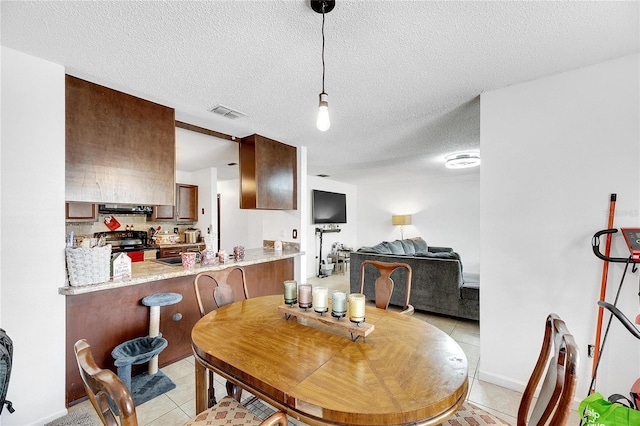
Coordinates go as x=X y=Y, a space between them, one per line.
x=403 y=219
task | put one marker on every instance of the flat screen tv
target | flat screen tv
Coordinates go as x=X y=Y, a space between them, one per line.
x=329 y=207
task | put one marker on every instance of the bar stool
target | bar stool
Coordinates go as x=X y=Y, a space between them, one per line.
x=144 y=349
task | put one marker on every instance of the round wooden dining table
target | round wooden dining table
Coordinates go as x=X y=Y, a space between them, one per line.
x=405 y=371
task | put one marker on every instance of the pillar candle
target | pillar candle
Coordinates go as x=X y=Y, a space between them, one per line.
x=290 y=290
x=320 y=299
x=356 y=307
x=339 y=301
x=304 y=295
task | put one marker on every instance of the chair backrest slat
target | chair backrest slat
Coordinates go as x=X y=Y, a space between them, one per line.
x=559 y=356
x=100 y=383
x=215 y=289
x=384 y=285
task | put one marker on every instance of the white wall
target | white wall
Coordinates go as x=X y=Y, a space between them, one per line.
x=250 y=227
x=553 y=150
x=444 y=211
x=348 y=233
x=207 y=181
x=32 y=264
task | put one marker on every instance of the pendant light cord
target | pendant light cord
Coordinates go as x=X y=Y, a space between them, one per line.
x=323 y=5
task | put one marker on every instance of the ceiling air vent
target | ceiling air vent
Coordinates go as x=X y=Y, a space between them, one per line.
x=227 y=112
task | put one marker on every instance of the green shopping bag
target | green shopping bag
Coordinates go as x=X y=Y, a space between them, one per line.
x=597 y=411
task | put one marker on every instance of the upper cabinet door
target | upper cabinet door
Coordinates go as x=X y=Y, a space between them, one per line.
x=119 y=148
x=268 y=174
x=163 y=213
x=185 y=208
x=81 y=212
x=186 y=202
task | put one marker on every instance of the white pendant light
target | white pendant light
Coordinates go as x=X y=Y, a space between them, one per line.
x=324 y=123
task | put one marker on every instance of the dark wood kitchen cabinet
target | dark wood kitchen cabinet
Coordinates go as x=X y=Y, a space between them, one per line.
x=175 y=250
x=163 y=213
x=81 y=212
x=185 y=208
x=187 y=202
x=268 y=174
x=118 y=148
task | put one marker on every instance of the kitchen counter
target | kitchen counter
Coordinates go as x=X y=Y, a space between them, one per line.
x=107 y=314
x=151 y=270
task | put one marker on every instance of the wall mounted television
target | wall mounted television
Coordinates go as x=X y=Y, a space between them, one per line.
x=328 y=207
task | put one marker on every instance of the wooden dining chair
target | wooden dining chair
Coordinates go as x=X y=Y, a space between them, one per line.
x=102 y=383
x=214 y=289
x=384 y=285
x=559 y=358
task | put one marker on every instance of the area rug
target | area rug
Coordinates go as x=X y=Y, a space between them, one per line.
x=80 y=417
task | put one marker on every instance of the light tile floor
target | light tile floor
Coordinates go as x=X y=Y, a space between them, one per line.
x=178 y=405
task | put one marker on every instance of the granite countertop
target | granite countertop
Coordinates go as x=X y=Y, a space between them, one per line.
x=151 y=270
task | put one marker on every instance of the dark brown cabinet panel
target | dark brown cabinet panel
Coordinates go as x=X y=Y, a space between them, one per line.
x=119 y=148
x=175 y=251
x=187 y=202
x=268 y=174
x=185 y=208
x=163 y=213
x=81 y=212
x=107 y=318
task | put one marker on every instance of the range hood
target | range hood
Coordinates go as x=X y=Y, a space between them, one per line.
x=124 y=209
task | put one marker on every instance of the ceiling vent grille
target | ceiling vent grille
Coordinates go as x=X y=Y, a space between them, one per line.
x=227 y=112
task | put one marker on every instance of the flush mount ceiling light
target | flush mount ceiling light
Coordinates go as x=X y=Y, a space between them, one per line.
x=462 y=160
x=323 y=123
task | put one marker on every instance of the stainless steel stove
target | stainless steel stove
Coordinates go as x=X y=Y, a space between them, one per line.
x=134 y=243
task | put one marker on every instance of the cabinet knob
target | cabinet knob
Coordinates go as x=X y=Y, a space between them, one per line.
x=177 y=317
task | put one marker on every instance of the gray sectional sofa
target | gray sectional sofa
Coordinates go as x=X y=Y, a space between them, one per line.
x=438 y=283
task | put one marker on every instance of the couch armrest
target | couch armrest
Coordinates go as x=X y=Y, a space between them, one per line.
x=434 y=249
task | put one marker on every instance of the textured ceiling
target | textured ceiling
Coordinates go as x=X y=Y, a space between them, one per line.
x=403 y=77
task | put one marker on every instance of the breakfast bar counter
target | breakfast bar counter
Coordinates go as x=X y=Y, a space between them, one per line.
x=107 y=314
x=154 y=270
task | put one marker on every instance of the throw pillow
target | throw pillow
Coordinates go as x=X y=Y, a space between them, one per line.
x=408 y=247
x=395 y=247
x=381 y=248
x=419 y=244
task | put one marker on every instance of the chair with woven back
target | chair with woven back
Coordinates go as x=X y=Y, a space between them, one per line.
x=559 y=357
x=384 y=285
x=214 y=289
x=102 y=383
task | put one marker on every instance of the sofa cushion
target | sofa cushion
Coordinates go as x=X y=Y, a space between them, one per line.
x=408 y=247
x=419 y=244
x=440 y=255
x=395 y=246
x=470 y=291
x=378 y=248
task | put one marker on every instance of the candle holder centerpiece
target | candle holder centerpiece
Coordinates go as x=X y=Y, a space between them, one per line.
x=360 y=329
x=304 y=296
x=290 y=292
x=320 y=299
x=356 y=308
x=338 y=304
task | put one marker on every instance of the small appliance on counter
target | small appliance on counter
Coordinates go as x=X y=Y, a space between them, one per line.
x=191 y=235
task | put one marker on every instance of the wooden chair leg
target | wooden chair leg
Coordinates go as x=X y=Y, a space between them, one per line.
x=234 y=391
x=211 y=399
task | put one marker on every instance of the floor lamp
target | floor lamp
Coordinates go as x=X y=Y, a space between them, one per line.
x=401 y=220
